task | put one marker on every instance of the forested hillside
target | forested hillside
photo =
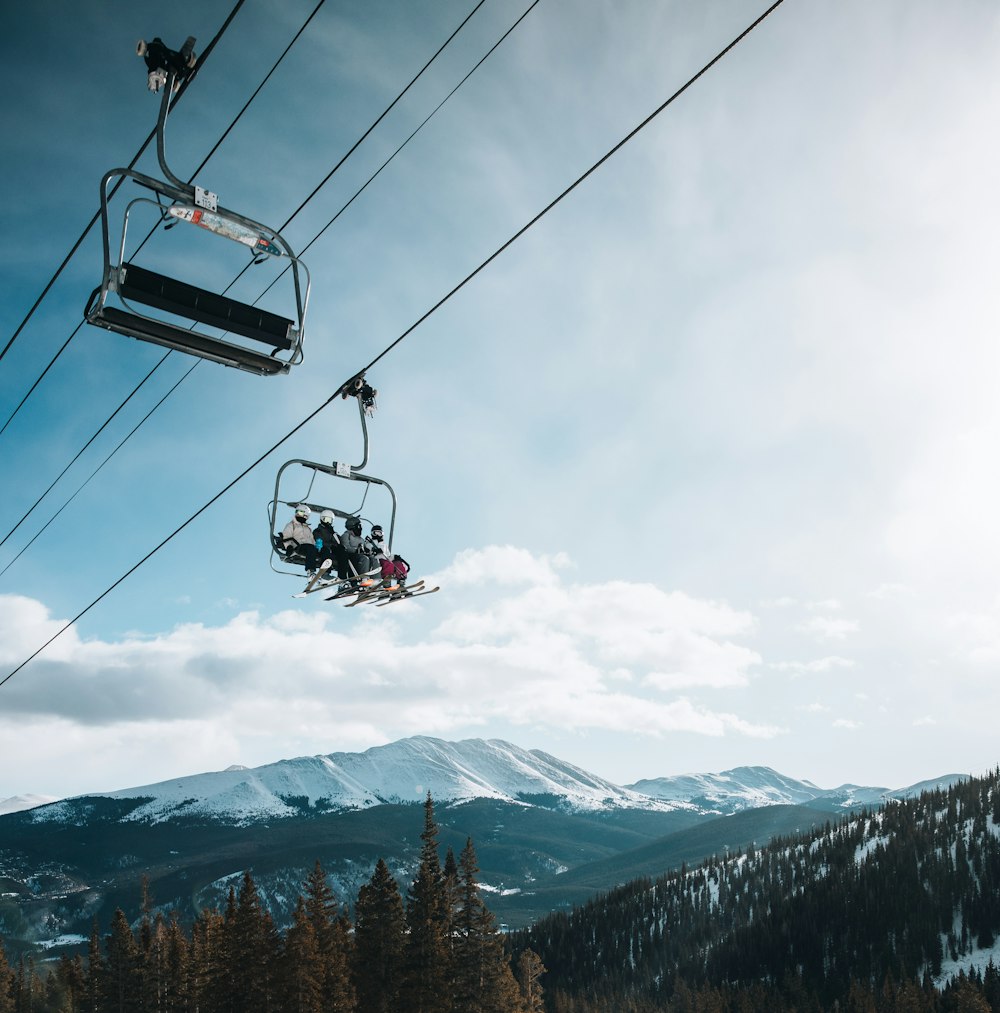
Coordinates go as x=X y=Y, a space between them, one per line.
x=878 y=901
x=437 y=950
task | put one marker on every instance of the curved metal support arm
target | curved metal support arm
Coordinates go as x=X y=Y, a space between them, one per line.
x=161 y=125
x=364 y=431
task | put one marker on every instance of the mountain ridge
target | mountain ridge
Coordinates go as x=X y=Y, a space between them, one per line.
x=406 y=770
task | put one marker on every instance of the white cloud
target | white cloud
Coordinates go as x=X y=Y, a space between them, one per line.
x=826 y=605
x=890 y=590
x=848 y=724
x=535 y=652
x=824 y=628
x=778 y=603
x=816 y=665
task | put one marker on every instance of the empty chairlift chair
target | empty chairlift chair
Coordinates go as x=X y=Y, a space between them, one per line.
x=130 y=295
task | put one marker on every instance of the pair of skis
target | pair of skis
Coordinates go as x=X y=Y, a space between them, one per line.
x=380 y=596
x=374 y=593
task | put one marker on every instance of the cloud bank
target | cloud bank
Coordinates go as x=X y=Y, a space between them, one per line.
x=510 y=639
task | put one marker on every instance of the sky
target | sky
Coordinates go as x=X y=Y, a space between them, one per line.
x=704 y=463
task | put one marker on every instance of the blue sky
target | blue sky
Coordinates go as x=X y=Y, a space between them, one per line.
x=705 y=463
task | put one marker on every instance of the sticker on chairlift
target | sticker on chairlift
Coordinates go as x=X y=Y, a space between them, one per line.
x=343 y=470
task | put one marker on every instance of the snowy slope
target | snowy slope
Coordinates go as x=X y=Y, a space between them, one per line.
x=399 y=772
x=18 y=803
x=407 y=770
x=731 y=791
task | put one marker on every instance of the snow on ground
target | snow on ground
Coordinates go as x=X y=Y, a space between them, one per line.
x=977 y=959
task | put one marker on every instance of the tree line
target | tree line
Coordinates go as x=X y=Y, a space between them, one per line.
x=861 y=915
x=438 y=950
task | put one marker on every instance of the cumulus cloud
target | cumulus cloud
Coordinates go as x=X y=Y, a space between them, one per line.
x=816 y=665
x=825 y=605
x=530 y=650
x=825 y=628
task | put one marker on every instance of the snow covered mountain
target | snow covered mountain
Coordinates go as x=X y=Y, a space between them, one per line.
x=407 y=770
x=732 y=791
x=399 y=772
x=18 y=803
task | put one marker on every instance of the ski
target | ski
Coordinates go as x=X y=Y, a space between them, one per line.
x=376 y=594
x=346 y=592
x=362 y=592
x=406 y=593
x=314 y=580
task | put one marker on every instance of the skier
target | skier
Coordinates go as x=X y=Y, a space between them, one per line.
x=355 y=549
x=394 y=568
x=297 y=539
x=328 y=544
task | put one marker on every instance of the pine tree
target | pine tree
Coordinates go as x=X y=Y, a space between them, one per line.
x=208 y=970
x=177 y=994
x=252 y=945
x=93 y=988
x=304 y=971
x=427 y=969
x=121 y=967
x=529 y=973
x=72 y=980
x=7 y=979
x=333 y=937
x=379 y=931
x=483 y=979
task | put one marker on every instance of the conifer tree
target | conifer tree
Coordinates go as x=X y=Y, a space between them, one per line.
x=71 y=980
x=529 y=974
x=7 y=979
x=177 y=994
x=426 y=964
x=304 y=971
x=121 y=967
x=93 y=988
x=208 y=972
x=379 y=931
x=333 y=936
x=252 y=951
x=483 y=979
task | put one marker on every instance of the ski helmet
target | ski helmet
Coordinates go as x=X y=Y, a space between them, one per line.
x=302 y=511
x=353 y=524
x=377 y=532
x=326 y=517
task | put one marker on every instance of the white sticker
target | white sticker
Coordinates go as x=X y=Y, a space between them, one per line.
x=343 y=470
x=206 y=199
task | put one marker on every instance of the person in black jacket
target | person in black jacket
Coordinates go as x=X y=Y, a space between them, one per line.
x=328 y=545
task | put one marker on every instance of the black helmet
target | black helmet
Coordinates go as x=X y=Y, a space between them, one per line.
x=353 y=524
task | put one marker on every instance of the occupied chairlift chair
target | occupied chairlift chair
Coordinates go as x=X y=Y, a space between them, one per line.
x=129 y=283
x=280 y=559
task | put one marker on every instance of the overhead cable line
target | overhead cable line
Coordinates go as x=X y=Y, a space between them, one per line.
x=604 y=158
x=357 y=193
x=114 y=189
x=145 y=144
x=163 y=358
x=299 y=209
x=107 y=422
x=86 y=481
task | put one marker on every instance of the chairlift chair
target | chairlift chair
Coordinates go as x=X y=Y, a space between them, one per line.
x=126 y=284
x=336 y=470
x=282 y=559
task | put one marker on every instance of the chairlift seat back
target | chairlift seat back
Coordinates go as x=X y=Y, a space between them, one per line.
x=142 y=285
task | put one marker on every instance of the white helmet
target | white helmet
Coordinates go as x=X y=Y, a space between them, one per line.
x=326 y=517
x=302 y=511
